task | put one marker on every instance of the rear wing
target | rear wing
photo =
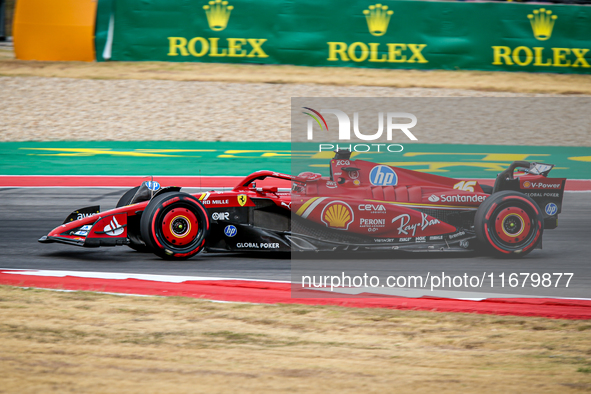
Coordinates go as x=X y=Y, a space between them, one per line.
x=534 y=182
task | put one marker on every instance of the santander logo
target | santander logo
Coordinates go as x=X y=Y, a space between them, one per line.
x=457 y=198
x=113 y=229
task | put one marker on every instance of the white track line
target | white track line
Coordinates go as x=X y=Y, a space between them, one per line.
x=407 y=293
x=123 y=276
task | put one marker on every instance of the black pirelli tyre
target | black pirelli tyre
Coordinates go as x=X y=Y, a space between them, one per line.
x=174 y=225
x=509 y=224
x=133 y=224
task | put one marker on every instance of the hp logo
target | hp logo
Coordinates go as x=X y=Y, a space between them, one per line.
x=230 y=231
x=551 y=208
x=383 y=176
x=152 y=185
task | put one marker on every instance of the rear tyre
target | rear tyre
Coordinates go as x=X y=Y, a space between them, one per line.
x=133 y=224
x=174 y=225
x=509 y=224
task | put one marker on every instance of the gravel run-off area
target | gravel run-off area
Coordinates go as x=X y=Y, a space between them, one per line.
x=53 y=109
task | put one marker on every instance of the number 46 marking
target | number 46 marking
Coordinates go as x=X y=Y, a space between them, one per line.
x=465 y=185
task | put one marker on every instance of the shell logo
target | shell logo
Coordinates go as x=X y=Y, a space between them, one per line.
x=337 y=215
x=527 y=184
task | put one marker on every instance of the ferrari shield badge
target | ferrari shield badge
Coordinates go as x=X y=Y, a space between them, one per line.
x=242 y=199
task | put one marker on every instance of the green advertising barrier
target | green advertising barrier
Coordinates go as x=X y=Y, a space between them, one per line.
x=390 y=34
x=104 y=11
x=242 y=158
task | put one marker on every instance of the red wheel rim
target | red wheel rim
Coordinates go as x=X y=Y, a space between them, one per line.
x=512 y=225
x=180 y=227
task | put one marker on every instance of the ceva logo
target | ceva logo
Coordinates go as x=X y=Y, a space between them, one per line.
x=345 y=124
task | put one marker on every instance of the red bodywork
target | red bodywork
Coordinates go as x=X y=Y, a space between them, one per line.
x=388 y=204
x=270 y=185
x=351 y=202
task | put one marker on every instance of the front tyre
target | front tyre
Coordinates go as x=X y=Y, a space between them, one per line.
x=174 y=225
x=509 y=224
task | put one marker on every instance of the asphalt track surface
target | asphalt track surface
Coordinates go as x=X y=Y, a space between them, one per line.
x=26 y=214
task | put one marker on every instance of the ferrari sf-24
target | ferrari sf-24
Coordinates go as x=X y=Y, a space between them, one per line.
x=360 y=206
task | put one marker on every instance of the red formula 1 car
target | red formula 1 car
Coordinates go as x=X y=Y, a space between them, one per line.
x=360 y=206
